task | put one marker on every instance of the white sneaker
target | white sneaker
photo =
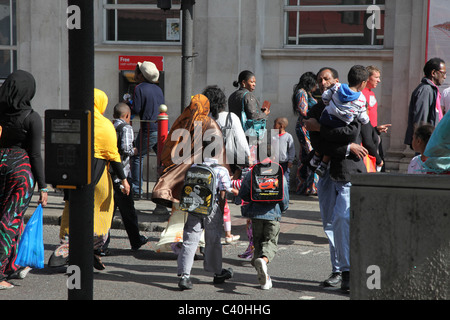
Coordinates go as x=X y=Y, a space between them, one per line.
x=268 y=284
x=261 y=269
x=232 y=239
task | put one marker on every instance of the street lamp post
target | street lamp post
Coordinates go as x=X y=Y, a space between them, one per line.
x=187 y=7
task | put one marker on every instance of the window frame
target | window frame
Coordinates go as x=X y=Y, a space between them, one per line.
x=12 y=46
x=106 y=7
x=324 y=8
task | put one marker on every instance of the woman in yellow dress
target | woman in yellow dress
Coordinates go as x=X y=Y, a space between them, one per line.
x=105 y=154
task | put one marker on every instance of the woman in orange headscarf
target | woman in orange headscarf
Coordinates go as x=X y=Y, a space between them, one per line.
x=194 y=121
x=105 y=154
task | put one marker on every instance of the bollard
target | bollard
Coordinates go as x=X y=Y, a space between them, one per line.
x=163 y=131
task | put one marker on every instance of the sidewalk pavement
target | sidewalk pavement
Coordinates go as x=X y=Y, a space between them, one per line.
x=302 y=219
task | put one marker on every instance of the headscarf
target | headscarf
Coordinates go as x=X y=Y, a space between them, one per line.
x=168 y=187
x=438 y=148
x=16 y=93
x=105 y=138
x=197 y=111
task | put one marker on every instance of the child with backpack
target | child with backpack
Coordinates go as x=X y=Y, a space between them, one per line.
x=203 y=217
x=266 y=193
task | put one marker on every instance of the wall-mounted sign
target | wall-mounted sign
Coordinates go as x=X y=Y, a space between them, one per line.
x=130 y=62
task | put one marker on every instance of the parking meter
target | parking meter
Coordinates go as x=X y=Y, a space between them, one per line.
x=68 y=151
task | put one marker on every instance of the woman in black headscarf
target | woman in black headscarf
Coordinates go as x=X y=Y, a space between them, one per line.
x=21 y=166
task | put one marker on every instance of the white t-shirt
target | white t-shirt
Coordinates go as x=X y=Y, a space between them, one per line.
x=415 y=166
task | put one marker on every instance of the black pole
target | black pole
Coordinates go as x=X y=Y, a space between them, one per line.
x=187 y=7
x=81 y=97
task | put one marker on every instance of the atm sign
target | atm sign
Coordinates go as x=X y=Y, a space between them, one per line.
x=130 y=62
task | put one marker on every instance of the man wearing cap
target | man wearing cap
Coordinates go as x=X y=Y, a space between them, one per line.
x=147 y=98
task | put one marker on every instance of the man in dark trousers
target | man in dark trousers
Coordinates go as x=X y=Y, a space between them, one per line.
x=425 y=104
x=147 y=98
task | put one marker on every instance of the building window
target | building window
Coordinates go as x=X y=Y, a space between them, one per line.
x=334 y=22
x=141 y=21
x=8 y=38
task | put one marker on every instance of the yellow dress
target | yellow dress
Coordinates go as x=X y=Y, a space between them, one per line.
x=105 y=147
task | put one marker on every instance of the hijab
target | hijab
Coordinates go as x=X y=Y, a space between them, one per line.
x=105 y=138
x=16 y=93
x=196 y=113
x=167 y=189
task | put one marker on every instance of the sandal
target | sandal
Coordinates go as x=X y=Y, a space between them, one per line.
x=21 y=273
x=4 y=285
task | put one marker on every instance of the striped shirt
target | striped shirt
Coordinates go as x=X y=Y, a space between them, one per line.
x=126 y=148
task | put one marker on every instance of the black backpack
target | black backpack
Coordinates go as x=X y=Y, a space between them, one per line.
x=198 y=195
x=267 y=183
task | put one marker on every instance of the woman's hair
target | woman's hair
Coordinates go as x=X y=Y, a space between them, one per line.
x=243 y=76
x=217 y=100
x=307 y=82
x=424 y=132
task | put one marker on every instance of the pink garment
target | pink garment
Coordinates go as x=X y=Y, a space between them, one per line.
x=438 y=102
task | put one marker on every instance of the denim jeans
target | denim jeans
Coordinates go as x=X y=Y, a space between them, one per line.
x=327 y=201
x=334 y=201
x=137 y=161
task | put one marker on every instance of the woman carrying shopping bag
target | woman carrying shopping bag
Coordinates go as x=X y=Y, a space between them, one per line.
x=21 y=167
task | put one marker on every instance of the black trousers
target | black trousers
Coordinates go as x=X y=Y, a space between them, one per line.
x=125 y=203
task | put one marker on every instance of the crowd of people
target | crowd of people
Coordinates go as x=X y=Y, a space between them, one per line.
x=337 y=129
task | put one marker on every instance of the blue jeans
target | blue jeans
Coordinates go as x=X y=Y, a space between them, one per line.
x=334 y=202
x=326 y=203
x=341 y=224
x=137 y=161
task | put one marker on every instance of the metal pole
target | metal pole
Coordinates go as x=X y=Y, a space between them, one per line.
x=187 y=7
x=81 y=200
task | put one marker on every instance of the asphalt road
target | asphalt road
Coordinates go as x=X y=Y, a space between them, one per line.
x=148 y=275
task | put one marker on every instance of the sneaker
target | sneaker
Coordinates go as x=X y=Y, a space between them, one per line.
x=268 y=284
x=232 y=239
x=185 y=282
x=261 y=269
x=225 y=275
x=333 y=280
